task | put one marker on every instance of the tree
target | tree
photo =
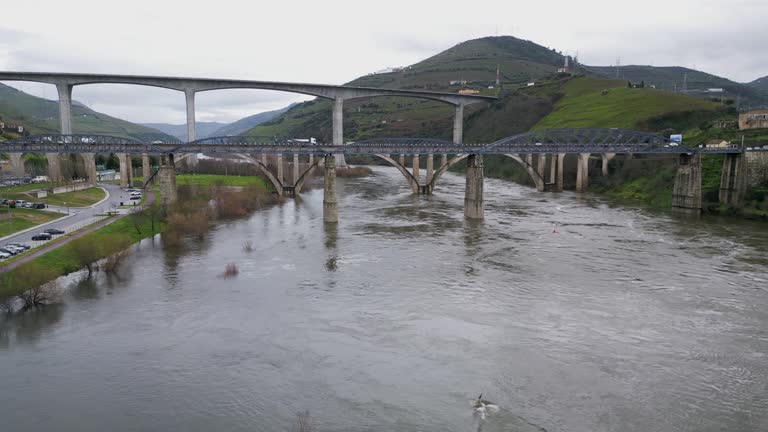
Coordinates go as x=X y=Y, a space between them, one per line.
x=86 y=254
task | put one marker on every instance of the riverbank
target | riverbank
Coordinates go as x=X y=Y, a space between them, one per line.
x=66 y=255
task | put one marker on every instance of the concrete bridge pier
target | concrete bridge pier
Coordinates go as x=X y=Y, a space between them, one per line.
x=416 y=167
x=126 y=170
x=430 y=168
x=402 y=160
x=686 y=192
x=167 y=174
x=473 y=193
x=54 y=167
x=295 y=177
x=280 y=173
x=733 y=184
x=330 y=204
x=555 y=183
x=443 y=160
x=17 y=164
x=582 y=172
x=146 y=169
x=338 y=129
x=191 y=124
x=458 y=124
x=89 y=162
x=606 y=157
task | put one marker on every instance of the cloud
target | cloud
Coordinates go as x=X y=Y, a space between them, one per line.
x=336 y=41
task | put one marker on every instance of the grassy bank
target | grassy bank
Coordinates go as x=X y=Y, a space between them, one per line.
x=219 y=180
x=68 y=258
x=81 y=198
x=15 y=220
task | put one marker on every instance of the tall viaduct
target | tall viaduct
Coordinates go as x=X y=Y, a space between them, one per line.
x=65 y=82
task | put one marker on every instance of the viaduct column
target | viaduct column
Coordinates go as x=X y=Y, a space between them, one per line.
x=559 y=178
x=338 y=129
x=191 y=125
x=733 y=177
x=686 y=193
x=458 y=124
x=541 y=165
x=280 y=173
x=416 y=164
x=473 y=193
x=17 y=163
x=295 y=170
x=330 y=207
x=89 y=162
x=146 y=169
x=402 y=159
x=125 y=167
x=65 y=127
x=167 y=174
x=606 y=157
x=582 y=172
x=430 y=169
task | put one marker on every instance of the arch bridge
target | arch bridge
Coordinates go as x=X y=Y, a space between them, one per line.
x=540 y=153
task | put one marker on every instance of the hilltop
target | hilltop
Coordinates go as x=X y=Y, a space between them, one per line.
x=474 y=61
x=761 y=84
x=40 y=115
x=242 y=125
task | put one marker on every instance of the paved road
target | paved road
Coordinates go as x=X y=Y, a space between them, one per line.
x=78 y=216
x=47 y=248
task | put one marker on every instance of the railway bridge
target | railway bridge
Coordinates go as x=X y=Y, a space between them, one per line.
x=540 y=153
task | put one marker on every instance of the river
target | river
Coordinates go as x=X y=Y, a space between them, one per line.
x=624 y=320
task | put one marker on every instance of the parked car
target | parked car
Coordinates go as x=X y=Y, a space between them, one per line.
x=42 y=236
x=20 y=203
x=40 y=179
x=135 y=197
x=8 y=251
x=14 y=249
x=4 y=255
x=20 y=245
x=38 y=206
x=53 y=231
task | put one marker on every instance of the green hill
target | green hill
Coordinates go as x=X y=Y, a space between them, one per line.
x=697 y=83
x=595 y=102
x=40 y=115
x=761 y=84
x=474 y=61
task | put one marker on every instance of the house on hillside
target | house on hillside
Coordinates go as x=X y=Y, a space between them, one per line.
x=757 y=119
x=717 y=143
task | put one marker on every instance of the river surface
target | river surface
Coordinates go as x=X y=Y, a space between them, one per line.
x=625 y=320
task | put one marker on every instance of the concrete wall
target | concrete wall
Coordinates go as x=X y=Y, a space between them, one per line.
x=757 y=168
x=71 y=188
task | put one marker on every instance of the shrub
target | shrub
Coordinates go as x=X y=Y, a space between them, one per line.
x=230 y=271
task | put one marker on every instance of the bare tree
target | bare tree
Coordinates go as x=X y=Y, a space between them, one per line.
x=41 y=295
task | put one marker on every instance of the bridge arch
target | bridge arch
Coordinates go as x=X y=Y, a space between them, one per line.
x=537 y=178
x=412 y=181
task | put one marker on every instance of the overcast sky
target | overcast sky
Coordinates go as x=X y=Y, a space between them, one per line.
x=336 y=41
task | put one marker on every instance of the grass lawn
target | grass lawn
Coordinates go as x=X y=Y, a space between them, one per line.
x=21 y=219
x=82 y=198
x=58 y=262
x=214 y=179
x=24 y=188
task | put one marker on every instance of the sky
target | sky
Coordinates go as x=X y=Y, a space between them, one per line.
x=333 y=42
